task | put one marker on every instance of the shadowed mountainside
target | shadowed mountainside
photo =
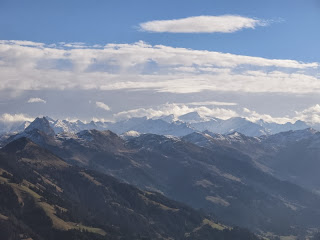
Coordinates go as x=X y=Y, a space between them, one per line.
x=43 y=197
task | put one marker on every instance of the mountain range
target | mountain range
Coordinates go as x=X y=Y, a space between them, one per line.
x=237 y=179
x=292 y=155
x=167 y=125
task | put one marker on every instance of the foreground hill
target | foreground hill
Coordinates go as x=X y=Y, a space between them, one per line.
x=223 y=181
x=43 y=197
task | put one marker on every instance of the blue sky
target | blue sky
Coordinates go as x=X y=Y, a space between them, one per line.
x=294 y=35
x=272 y=71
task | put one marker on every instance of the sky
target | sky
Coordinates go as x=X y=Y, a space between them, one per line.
x=112 y=60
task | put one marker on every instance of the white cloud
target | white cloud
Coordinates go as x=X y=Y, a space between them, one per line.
x=203 y=24
x=36 y=100
x=212 y=103
x=95 y=119
x=311 y=114
x=127 y=66
x=103 y=106
x=253 y=116
x=6 y=117
x=177 y=110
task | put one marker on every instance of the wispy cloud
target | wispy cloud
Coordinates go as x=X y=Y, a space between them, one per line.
x=6 y=117
x=36 y=100
x=212 y=103
x=310 y=115
x=203 y=24
x=254 y=116
x=103 y=106
x=74 y=45
x=22 y=43
x=177 y=109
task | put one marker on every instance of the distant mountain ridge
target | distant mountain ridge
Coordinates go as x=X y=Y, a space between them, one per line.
x=168 y=125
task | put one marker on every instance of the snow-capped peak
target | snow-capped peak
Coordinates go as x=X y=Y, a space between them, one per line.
x=130 y=134
x=192 y=117
x=41 y=124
